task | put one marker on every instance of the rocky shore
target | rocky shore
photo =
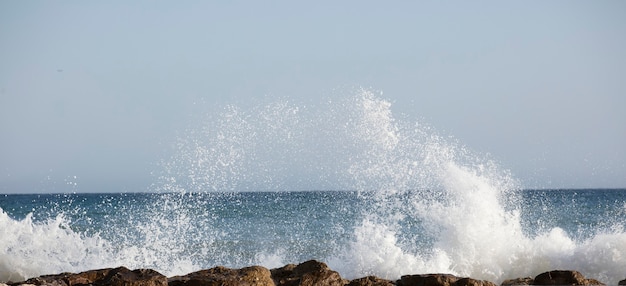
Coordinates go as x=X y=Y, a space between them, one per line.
x=305 y=274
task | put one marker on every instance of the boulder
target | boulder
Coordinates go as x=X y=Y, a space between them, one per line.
x=248 y=276
x=371 y=281
x=308 y=273
x=440 y=280
x=86 y=277
x=473 y=282
x=120 y=276
x=518 y=281
x=564 y=277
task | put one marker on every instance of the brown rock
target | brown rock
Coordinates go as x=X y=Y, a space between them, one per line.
x=122 y=276
x=51 y=280
x=308 y=273
x=473 y=282
x=518 y=281
x=67 y=279
x=87 y=277
x=440 y=280
x=253 y=276
x=564 y=277
x=371 y=281
x=428 y=280
x=594 y=282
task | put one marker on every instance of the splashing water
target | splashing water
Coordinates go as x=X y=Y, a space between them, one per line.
x=421 y=203
x=466 y=206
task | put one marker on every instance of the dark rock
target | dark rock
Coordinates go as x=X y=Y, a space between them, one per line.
x=473 y=282
x=440 y=280
x=564 y=277
x=623 y=282
x=428 y=280
x=518 y=281
x=120 y=276
x=51 y=280
x=87 y=277
x=371 y=281
x=255 y=275
x=307 y=274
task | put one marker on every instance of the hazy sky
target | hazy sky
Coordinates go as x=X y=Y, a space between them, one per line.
x=99 y=89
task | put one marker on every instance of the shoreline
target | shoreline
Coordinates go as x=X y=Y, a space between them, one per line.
x=310 y=272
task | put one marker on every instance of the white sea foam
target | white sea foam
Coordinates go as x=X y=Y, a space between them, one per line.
x=465 y=206
x=30 y=249
x=474 y=223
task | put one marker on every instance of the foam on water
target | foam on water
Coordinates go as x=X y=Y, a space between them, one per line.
x=471 y=215
x=28 y=249
x=151 y=236
x=435 y=206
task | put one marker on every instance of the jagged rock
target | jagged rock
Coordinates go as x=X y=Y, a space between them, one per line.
x=86 y=277
x=440 y=280
x=518 y=281
x=308 y=273
x=427 y=280
x=252 y=276
x=120 y=276
x=564 y=277
x=371 y=281
x=473 y=282
x=66 y=278
x=623 y=282
x=48 y=280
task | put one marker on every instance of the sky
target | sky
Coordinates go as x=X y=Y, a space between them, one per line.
x=94 y=93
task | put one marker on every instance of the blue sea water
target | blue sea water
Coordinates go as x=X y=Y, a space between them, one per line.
x=238 y=191
x=167 y=230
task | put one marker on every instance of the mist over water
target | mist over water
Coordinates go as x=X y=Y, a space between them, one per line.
x=436 y=206
x=411 y=202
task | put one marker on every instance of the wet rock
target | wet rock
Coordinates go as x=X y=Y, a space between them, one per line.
x=120 y=276
x=564 y=277
x=427 y=280
x=473 y=282
x=252 y=276
x=51 y=280
x=371 y=281
x=308 y=273
x=440 y=280
x=518 y=281
x=87 y=277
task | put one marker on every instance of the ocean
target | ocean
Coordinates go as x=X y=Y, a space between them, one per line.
x=347 y=183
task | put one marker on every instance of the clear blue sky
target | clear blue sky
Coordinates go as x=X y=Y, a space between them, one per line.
x=99 y=89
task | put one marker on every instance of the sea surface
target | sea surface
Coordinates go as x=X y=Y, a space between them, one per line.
x=180 y=233
x=346 y=182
